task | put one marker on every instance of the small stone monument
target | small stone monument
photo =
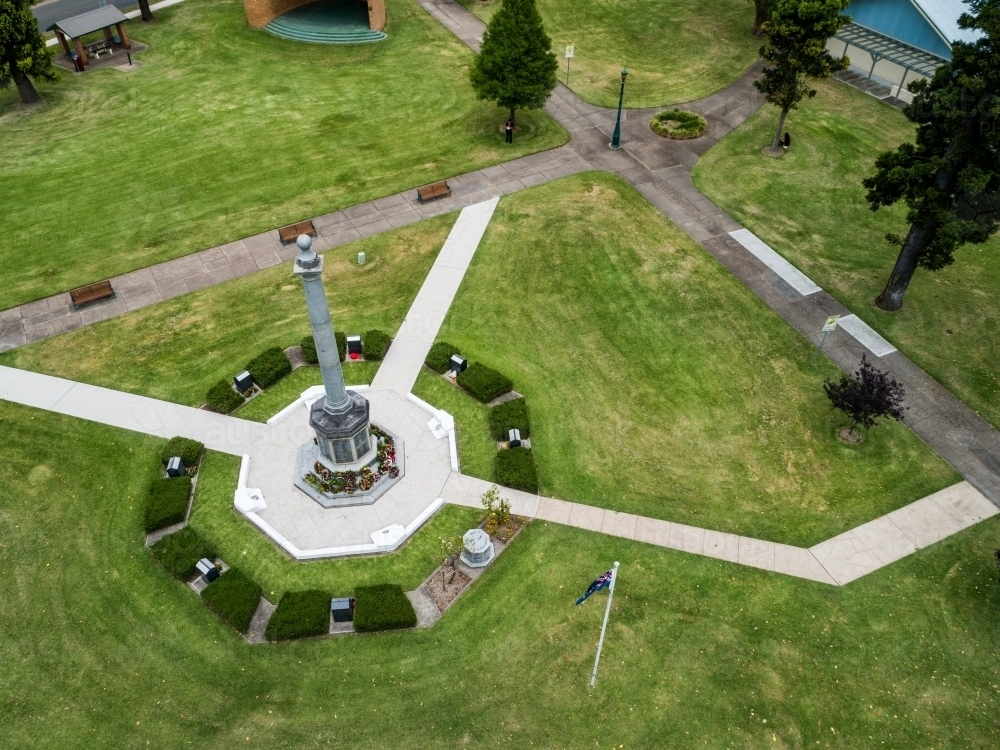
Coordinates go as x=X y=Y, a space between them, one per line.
x=479 y=551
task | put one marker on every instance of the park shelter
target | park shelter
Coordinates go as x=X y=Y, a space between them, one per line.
x=892 y=41
x=77 y=27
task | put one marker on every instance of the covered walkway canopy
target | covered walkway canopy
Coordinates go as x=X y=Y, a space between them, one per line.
x=79 y=26
x=882 y=47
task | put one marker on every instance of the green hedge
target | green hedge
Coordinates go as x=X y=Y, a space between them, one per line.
x=512 y=415
x=268 y=367
x=382 y=607
x=167 y=502
x=375 y=344
x=300 y=614
x=484 y=383
x=180 y=552
x=234 y=597
x=439 y=357
x=309 y=347
x=515 y=468
x=222 y=398
x=189 y=450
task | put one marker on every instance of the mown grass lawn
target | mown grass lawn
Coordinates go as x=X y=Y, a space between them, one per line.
x=226 y=132
x=675 y=50
x=810 y=207
x=101 y=648
x=658 y=384
x=176 y=350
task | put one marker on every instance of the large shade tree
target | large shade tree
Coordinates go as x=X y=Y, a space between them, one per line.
x=762 y=13
x=949 y=177
x=796 y=51
x=515 y=67
x=23 y=54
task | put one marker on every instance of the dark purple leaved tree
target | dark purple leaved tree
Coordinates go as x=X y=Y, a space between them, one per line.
x=867 y=396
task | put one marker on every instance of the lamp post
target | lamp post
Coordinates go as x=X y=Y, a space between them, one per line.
x=616 y=139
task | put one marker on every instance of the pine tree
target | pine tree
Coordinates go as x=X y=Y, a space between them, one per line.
x=515 y=67
x=949 y=177
x=796 y=48
x=22 y=50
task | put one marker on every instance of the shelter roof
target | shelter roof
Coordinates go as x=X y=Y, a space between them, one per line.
x=891 y=49
x=93 y=20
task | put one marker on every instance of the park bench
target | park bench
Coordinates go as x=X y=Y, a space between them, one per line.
x=432 y=191
x=91 y=293
x=292 y=231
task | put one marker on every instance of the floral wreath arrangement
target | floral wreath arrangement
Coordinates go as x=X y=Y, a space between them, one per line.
x=349 y=482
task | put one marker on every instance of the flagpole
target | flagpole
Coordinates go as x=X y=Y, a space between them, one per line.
x=607 y=611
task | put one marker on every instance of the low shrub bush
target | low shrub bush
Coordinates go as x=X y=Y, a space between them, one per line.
x=180 y=552
x=300 y=614
x=234 y=597
x=189 y=450
x=484 y=383
x=309 y=348
x=382 y=607
x=268 y=367
x=439 y=357
x=167 y=502
x=515 y=468
x=512 y=415
x=679 y=124
x=375 y=344
x=222 y=398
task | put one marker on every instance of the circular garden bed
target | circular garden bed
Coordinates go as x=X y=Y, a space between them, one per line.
x=679 y=125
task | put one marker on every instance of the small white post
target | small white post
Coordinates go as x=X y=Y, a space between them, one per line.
x=607 y=611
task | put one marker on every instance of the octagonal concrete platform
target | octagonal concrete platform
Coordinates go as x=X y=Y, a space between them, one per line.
x=306 y=530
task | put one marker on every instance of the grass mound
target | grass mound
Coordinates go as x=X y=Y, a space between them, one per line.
x=512 y=415
x=167 y=502
x=180 y=552
x=382 y=607
x=300 y=614
x=515 y=468
x=234 y=597
x=679 y=125
x=484 y=383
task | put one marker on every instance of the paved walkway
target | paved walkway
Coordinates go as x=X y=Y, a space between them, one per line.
x=423 y=320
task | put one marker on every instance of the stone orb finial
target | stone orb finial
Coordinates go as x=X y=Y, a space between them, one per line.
x=304 y=242
x=306 y=259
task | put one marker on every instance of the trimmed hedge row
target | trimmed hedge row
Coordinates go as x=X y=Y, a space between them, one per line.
x=375 y=344
x=308 y=345
x=268 y=367
x=300 y=614
x=382 y=607
x=439 y=357
x=167 y=502
x=511 y=415
x=515 y=468
x=222 y=398
x=189 y=450
x=180 y=552
x=234 y=597
x=484 y=383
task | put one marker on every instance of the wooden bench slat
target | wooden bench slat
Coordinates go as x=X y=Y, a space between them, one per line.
x=292 y=231
x=432 y=191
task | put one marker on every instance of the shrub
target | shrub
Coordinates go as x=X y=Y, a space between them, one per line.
x=484 y=383
x=300 y=614
x=189 y=450
x=439 y=357
x=679 y=125
x=222 y=398
x=382 y=607
x=309 y=348
x=375 y=344
x=234 y=597
x=268 y=367
x=511 y=415
x=516 y=469
x=867 y=396
x=167 y=502
x=180 y=552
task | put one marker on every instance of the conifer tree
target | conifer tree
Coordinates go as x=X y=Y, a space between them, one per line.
x=515 y=67
x=22 y=50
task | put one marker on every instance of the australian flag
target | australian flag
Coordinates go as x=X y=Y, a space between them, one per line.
x=602 y=582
